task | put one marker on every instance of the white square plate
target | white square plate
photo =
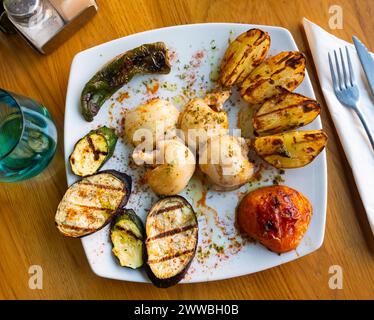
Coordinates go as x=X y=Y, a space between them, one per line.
x=198 y=50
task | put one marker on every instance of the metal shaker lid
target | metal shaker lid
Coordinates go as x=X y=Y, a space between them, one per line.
x=21 y=9
x=5 y=25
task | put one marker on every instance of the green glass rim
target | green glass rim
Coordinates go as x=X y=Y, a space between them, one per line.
x=16 y=104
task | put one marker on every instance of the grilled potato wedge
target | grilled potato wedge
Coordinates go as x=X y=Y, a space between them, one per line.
x=284 y=112
x=89 y=204
x=292 y=149
x=172 y=234
x=243 y=54
x=285 y=70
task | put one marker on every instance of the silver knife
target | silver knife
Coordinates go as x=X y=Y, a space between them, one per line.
x=366 y=61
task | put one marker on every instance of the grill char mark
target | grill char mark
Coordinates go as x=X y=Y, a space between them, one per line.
x=83 y=206
x=171 y=208
x=71 y=227
x=166 y=258
x=96 y=152
x=128 y=232
x=172 y=232
x=312 y=103
x=100 y=186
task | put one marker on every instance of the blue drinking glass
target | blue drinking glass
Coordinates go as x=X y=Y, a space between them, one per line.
x=28 y=137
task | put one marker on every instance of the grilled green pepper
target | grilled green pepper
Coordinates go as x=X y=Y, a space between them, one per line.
x=92 y=151
x=148 y=58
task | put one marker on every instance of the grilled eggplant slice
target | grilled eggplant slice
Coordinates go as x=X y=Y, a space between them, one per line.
x=285 y=70
x=172 y=235
x=127 y=235
x=292 y=149
x=92 y=151
x=284 y=112
x=148 y=58
x=243 y=54
x=89 y=204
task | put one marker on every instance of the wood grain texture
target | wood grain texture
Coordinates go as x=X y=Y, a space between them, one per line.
x=27 y=232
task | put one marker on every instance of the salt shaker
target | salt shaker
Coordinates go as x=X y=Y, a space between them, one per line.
x=46 y=24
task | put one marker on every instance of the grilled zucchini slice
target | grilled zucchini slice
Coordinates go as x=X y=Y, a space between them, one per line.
x=92 y=151
x=172 y=235
x=89 y=204
x=292 y=149
x=284 y=112
x=245 y=53
x=127 y=235
x=148 y=58
x=285 y=70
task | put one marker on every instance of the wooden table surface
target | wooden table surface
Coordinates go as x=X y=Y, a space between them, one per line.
x=27 y=233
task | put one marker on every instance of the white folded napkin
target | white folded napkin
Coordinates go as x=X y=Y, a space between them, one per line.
x=350 y=130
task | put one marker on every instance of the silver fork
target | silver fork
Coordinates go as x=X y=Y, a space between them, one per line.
x=346 y=89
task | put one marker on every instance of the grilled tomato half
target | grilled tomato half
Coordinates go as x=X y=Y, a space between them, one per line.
x=276 y=216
